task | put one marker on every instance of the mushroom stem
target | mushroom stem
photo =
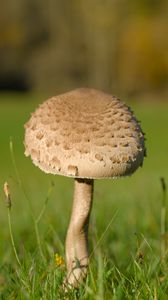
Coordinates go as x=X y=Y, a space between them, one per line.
x=77 y=256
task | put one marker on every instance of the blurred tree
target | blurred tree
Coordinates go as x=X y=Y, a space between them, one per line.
x=142 y=55
x=11 y=41
x=61 y=62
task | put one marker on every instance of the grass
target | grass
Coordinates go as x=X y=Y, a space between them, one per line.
x=128 y=229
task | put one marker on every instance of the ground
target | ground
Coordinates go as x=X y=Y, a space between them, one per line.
x=128 y=230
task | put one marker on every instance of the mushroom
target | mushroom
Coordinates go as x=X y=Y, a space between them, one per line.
x=85 y=134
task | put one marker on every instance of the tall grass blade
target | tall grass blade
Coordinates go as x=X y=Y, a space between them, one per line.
x=8 y=205
x=12 y=239
x=104 y=233
x=27 y=199
x=163 y=218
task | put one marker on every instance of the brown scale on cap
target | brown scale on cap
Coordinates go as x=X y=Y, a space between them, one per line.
x=73 y=170
x=78 y=127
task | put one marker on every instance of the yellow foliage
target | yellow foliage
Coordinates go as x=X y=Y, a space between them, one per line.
x=143 y=52
x=12 y=35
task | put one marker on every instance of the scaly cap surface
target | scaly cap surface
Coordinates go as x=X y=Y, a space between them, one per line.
x=85 y=133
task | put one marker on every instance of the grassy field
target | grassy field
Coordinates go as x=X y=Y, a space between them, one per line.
x=128 y=246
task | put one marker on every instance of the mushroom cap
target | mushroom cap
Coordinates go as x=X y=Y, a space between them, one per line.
x=85 y=133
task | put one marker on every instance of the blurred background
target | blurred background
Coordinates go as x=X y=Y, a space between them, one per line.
x=50 y=47
x=47 y=48
x=116 y=45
